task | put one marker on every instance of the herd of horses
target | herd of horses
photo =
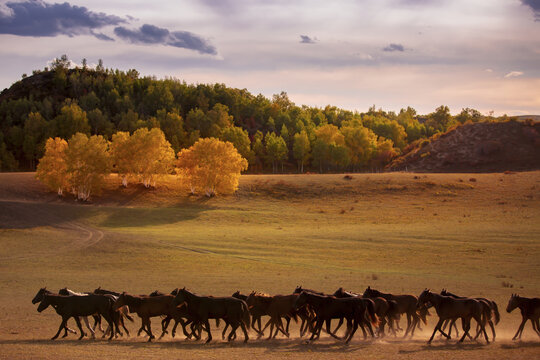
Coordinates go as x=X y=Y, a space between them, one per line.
x=374 y=312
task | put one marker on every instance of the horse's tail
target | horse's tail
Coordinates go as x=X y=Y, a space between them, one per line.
x=495 y=310
x=246 y=318
x=372 y=315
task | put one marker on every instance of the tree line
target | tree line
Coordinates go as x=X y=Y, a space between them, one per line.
x=274 y=135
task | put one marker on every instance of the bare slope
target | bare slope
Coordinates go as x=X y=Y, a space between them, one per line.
x=480 y=147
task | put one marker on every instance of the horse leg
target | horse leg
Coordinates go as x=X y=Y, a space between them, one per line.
x=184 y=324
x=351 y=333
x=207 y=324
x=288 y=318
x=316 y=330
x=149 y=329
x=265 y=326
x=520 y=328
x=338 y=326
x=279 y=326
x=224 y=331
x=537 y=329
x=329 y=331
x=89 y=327
x=437 y=327
x=62 y=326
x=416 y=322
x=409 y=320
x=234 y=326
x=466 y=324
x=78 y=321
x=246 y=336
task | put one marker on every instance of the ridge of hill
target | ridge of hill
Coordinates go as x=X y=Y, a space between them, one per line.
x=478 y=147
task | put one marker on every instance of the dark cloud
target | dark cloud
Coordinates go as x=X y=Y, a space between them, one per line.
x=102 y=36
x=37 y=18
x=535 y=6
x=150 y=34
x=304 y=39
x=394 y=47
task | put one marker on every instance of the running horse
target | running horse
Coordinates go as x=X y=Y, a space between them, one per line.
x=530 y=310
x=448 y=307
x=405 y=304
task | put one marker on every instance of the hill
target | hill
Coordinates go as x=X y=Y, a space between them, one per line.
x=271 y=133
x=480 y=147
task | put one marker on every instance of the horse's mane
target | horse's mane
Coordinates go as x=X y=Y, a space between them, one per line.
x=260 y=294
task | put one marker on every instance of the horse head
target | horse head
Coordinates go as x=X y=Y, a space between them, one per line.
x=512 y=303
x=423 y=298
x=39 y=295
x=43 y=304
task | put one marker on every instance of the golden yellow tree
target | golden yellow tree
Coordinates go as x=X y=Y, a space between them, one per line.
x=122 y=153
x=52 y=168
x=211 y=166
x=152 y=157
x=88 y=163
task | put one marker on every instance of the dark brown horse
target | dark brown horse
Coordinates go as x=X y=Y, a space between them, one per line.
x=39 y=297
x=353 y=309
x=405 y=304
x=452 y=308
x=385 y=310
x=277 y=307
x=493 y=318
x=530 y=310
x=202 y=308
x=76 y=306
x=147 y=307
x=258 y=304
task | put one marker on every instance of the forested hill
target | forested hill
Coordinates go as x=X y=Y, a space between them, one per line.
x=273 y=134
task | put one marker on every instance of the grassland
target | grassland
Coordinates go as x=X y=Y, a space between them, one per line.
x=475 y=234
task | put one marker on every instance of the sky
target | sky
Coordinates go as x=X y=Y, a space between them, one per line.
x=481 y=54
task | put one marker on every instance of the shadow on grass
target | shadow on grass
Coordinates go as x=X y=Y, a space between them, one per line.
x=134 y=217
x=28 y=215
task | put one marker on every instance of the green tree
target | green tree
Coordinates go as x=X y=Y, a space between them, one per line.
x=276 y=150
x=240 y=139
x=7 y=160
x=361 y=144
x=71 y=120
x=36 y=131
x=172 y=125
x=301 y=149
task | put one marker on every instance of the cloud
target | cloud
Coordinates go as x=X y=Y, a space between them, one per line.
x=394 y=47
x=36 y=18
x=304 y=39
x=535 y=7
x=512 y=74
x=150 y=34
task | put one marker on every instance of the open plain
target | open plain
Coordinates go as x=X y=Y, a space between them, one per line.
x=474 y=234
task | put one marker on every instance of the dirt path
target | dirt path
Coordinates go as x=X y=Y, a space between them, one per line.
x=22 y=214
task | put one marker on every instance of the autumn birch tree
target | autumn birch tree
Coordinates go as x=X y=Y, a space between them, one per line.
x=88 y=163
x=52 y=168
x=211 y=166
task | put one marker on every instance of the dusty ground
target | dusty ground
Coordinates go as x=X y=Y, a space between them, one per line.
x=475 y=234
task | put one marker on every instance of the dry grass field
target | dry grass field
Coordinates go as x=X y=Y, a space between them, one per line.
x=475 y=234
